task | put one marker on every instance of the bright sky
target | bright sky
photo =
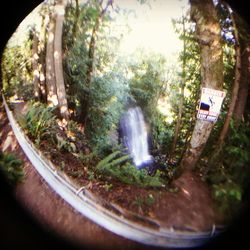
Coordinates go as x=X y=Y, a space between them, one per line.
x=152 y=28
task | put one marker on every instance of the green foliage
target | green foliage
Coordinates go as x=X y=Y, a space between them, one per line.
x=62 y=166
x=235 y=157
x=150 y=200
x=230 y=175
x=107 y=98
x=148 y=82
x=108 y=187
x=76 y=66
x=17 y=70
x=189 y=71
x=144 y=201
x=162 y=133
x=39 y=121
x=97 y=103
x=227 y=191
x=228 y=196
x=88 y=159
x=110 y=161
x=118 y=166
x=139 y=201
x=64 y=144
x=91 y=175
x=237 y=153
x=11 y=166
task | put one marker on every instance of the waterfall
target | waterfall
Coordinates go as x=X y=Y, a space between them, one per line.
x=134 y=136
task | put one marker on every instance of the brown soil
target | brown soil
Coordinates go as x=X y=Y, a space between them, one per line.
x=188 y=207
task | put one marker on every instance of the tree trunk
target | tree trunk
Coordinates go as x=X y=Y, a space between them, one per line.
x=91 y=57
x=61 y=93
x=244 y=85
x=183 y=80
x=91 y=52
x=35 y=65
x=235 y=90
x=208 y=34
x=76 y=17
x=41 y=51
x=92 y=44
x=52 y=98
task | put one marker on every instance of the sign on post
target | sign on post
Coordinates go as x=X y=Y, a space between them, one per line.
x=210 y=104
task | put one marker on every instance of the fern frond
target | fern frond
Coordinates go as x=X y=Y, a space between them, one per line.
x=107 y=159
x=119 y=160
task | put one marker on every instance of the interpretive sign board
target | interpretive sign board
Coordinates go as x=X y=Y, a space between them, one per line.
x=210 y=104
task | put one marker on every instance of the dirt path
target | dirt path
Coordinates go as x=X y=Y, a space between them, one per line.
x=189 y=209
x=51 y=211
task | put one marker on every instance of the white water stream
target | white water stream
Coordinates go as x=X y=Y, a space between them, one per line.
x=135 y=137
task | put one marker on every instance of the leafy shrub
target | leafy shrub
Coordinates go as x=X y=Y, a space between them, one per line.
x=17 y=70
x=237 y=154
x=39 y=121
x=230 y=175
x=64 y=144
x=118 y=166
x=150 y=200
x=11 y=167
x=162 y=133
x=88 y=159
x=228 y=197
x=226 y=191
x=108 y=95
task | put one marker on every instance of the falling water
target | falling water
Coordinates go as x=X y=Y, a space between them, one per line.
x=135 y=137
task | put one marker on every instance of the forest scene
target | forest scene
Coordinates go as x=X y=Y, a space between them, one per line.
x=122 y=120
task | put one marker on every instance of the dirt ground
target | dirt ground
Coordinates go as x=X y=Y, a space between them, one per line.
x=53 y=213
x=189 y=208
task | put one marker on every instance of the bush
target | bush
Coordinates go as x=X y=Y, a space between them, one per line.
x=162 y=133
x=107 y=98
x=228 y=197
x=229 y=176
x=39 y=121
x=17 y=70
x=237 y=154
x=118 y=165
x=148 y=82
x=11 y=167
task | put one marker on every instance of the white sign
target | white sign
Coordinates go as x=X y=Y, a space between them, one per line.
x=210 y=104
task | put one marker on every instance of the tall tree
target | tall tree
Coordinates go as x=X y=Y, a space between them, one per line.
x=208 y=34
x=35 y=64
x=243 y=93
x=41 y=51
x=76 y=17
x=60 y=86
x=91 y=53
x=50 y=68
x=92 y=44
x=182 y=88
x=235 y=88
x=38 y=59
x=245 y=70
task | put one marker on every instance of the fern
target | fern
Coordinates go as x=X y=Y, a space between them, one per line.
x=107 y=159
x=119 y=167
x=39 y=121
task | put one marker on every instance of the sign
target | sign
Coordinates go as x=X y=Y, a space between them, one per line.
x=210 y=104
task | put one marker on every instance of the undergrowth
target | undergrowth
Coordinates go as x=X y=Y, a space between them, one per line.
x=11 y=167
x=39 y=121
x=119 y=166
x=229 y=176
